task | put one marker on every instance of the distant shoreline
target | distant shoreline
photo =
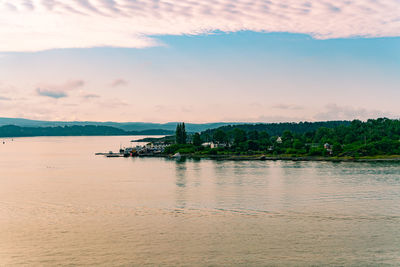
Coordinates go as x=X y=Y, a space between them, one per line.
x=97 y=135
x=12 y=131
x=395 y=158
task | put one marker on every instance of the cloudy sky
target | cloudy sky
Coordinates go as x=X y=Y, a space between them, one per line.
x=199 y=61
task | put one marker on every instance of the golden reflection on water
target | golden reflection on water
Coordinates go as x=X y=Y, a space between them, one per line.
x=61 y=205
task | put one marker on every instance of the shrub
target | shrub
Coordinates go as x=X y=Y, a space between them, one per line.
x=316 y=151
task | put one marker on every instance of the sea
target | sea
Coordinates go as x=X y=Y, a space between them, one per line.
x=62 y=205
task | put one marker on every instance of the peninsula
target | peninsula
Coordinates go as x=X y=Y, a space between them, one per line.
x=374 y=139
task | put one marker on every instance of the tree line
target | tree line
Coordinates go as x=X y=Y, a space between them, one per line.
x=88 y=130
x=338 y=138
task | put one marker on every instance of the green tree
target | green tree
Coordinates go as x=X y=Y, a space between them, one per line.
x=197 y=140
x=253 y=145
x=264 y=135
x=239 y=136
x=253 y=135
x=287 y=135
x=220 y=137
x=337 y=149
x=180 y=133
x=297 y=144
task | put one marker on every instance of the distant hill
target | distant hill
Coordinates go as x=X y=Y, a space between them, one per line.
x=127 y=126
x=75 y=130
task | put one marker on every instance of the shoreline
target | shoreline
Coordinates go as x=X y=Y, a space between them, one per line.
x=275 y=158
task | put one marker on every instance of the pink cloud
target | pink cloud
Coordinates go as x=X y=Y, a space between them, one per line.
x=39 y=25
x=119 y=82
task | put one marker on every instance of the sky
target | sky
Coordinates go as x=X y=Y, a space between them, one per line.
x=199 y=61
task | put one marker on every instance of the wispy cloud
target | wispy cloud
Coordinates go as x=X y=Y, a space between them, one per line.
x=335 y=112
x=33 y=25
x=3 y=98
x=90 y=96
x=113 y=103
x=264 y=119
x=58 y=90
x=51 y=93
x=119 y=82
x=288 y=107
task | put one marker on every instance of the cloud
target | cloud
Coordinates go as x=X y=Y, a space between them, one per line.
x=288 y=107
x=265 y=119
x=51 y=93
x=67 y=86
x=3 y=98
x=90 y=96
x=34 y=25
x=277 y=118
x=119 y=82
x=114 y=103
x=335 y=112
x=60 y=90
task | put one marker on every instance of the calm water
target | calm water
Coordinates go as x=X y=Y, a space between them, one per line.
x=62 y=205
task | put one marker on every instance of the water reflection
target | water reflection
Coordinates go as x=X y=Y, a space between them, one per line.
x=196 y=167
x=181 y=181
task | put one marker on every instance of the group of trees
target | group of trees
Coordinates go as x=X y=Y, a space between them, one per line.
x=180 y=134
x=278 y=128
x=74 y=130
x=356 y=138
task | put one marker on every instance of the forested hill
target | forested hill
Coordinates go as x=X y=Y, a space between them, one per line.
x=88 y=130
x=278 y=128
x=127 y=126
